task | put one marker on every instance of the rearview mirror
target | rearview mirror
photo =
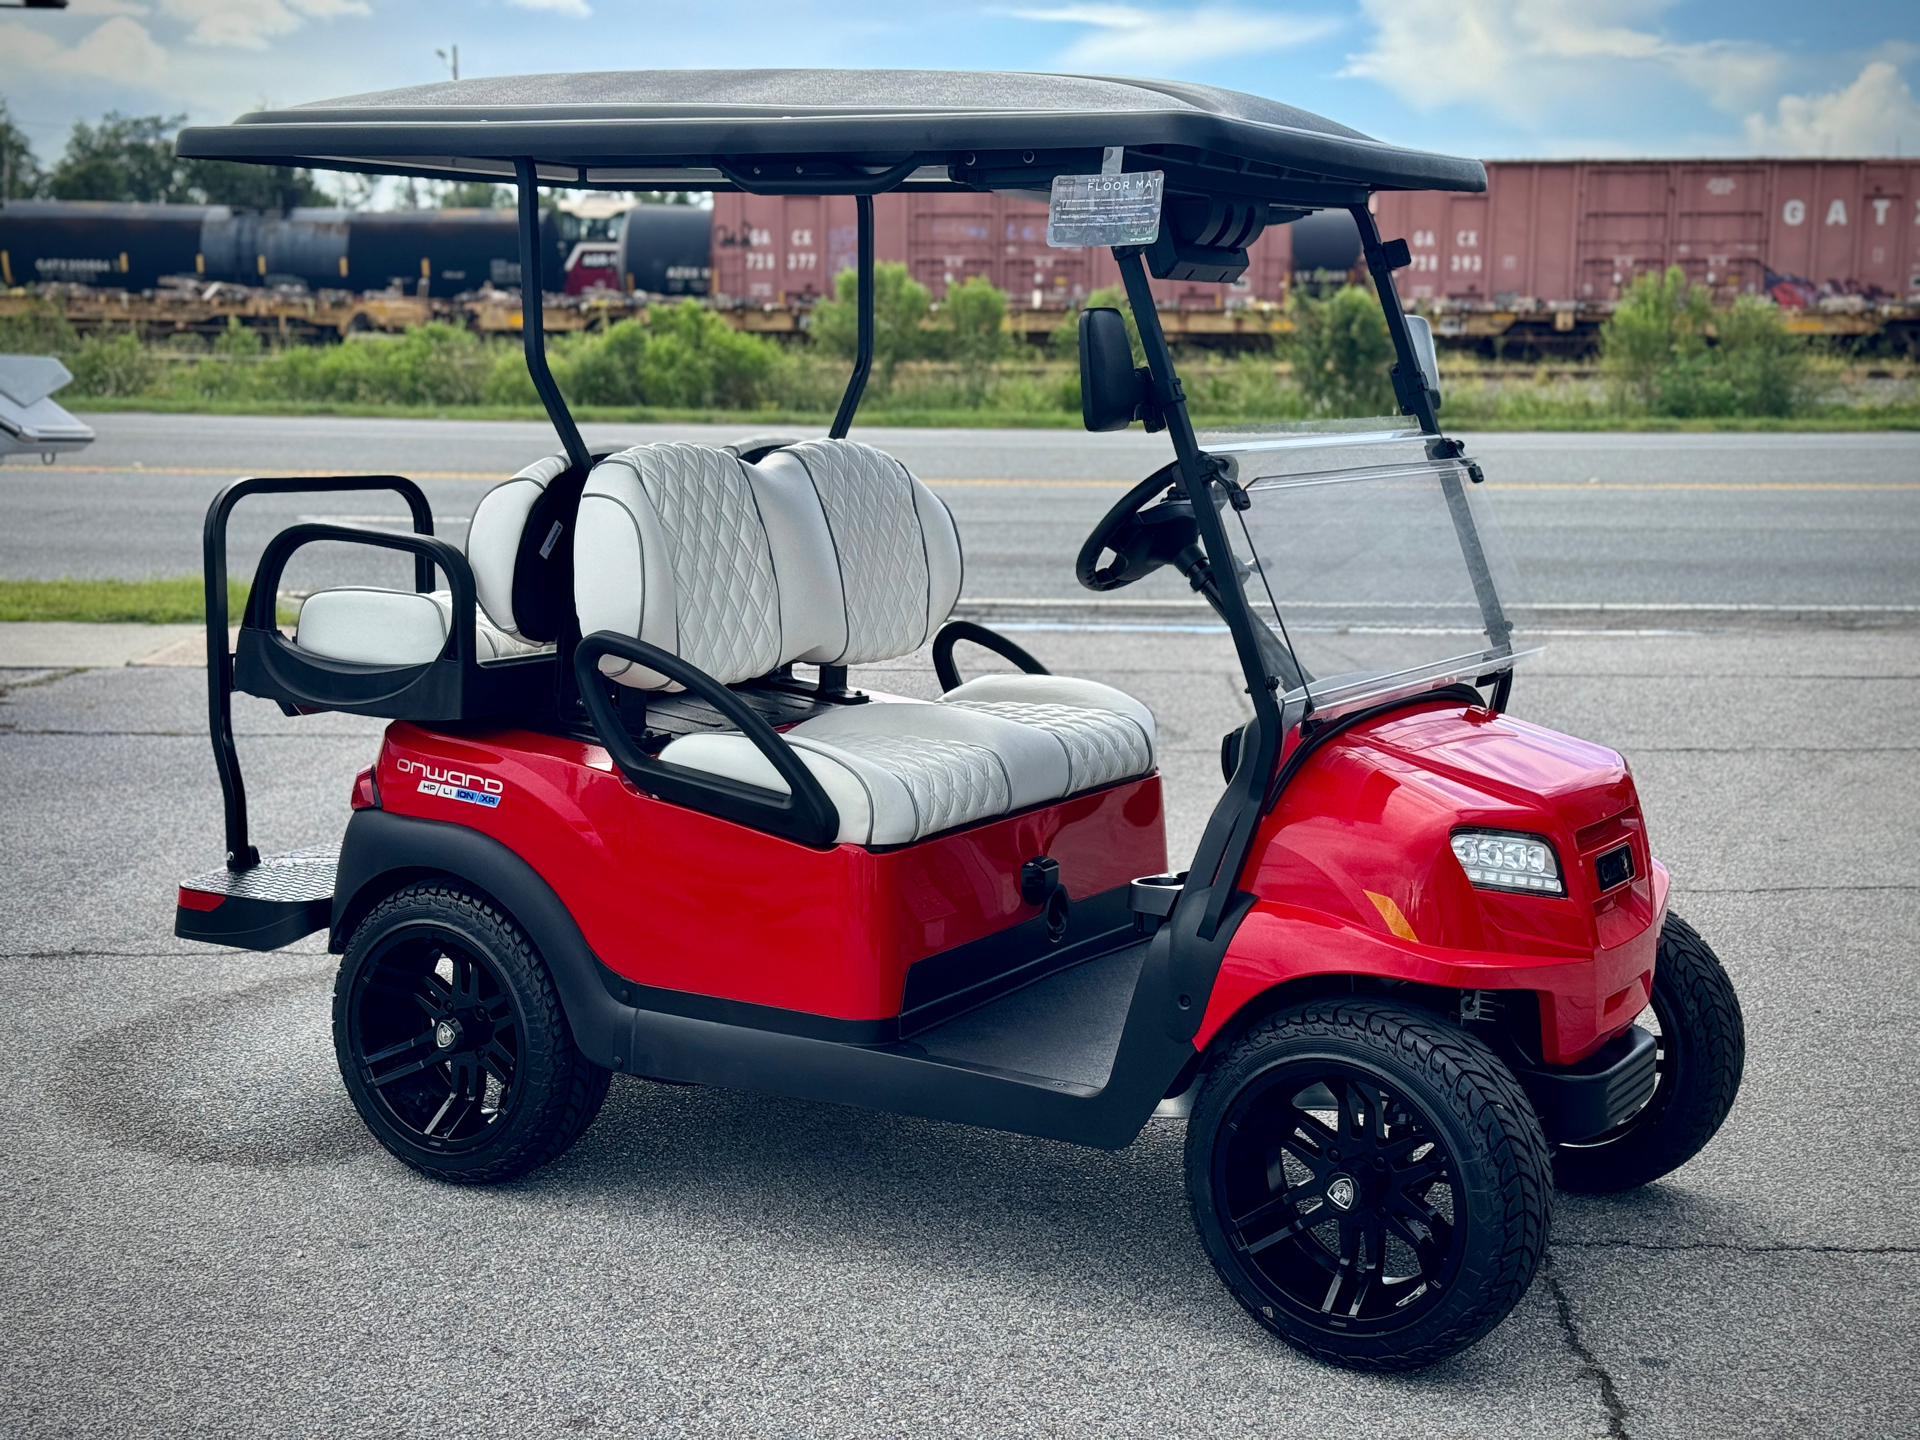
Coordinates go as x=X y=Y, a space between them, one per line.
x=1420 y=332
x=1111 y=390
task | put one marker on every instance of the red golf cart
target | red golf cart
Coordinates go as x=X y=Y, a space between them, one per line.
x=631 y=816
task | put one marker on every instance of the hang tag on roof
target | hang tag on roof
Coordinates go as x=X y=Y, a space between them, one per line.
x=1111 y=208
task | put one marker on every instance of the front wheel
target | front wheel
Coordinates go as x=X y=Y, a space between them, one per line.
x=1702 y=1049
x=452 y=1042
x=1370 y=1182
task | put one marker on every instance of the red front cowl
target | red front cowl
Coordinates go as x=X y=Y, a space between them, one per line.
x=670 y=897
x=1355 y=874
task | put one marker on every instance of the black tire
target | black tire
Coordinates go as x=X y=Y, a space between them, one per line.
x=452 y=1041
x=1448 y=1182
x=1702 y=1051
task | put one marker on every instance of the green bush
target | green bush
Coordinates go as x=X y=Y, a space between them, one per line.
x=433 y=364
x=1342 y=354
x=112 y=366
x=602 y=369
x=1244 y=388
x=694 y=359
x=1666 y=351
x=900 y=303
x=38 y=330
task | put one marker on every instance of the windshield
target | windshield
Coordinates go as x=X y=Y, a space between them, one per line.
x=1369 y=558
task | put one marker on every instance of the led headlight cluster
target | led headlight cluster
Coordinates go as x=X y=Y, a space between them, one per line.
x=1503 y=860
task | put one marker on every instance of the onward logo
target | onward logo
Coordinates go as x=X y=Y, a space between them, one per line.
x=453 y=784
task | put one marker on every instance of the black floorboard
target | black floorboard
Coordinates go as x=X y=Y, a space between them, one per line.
x=1067 y=1027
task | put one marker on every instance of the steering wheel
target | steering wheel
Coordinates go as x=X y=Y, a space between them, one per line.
x=1141 y=539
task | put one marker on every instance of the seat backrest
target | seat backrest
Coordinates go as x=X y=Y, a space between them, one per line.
x=895 y=548
x=827 y=552
x=520 y=549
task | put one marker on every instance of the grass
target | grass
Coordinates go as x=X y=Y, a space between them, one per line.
x=173 y=600
x=1541 y=415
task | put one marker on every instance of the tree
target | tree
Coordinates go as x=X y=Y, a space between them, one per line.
x=20 y=177
x=900 y=303
x=249 y=187
x=1342 y=353
x=124 y=157
x=131 y=157
x=972 y=328
x=476 y=195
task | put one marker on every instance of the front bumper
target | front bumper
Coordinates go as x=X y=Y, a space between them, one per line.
x=1578 y=1102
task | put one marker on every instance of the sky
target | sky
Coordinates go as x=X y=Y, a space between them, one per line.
x=1494 y=79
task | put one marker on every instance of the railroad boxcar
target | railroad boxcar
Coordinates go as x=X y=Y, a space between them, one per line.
x=771 y=250
x=1569 y=233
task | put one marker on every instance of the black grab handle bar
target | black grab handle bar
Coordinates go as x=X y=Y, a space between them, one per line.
x=805 y=815
x=428 y=551
x=954 y=631
x=241 y=855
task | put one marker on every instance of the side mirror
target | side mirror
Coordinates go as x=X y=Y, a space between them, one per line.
x=1420 y=332
x=1112 y=392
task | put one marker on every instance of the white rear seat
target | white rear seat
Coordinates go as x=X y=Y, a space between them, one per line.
x=372 y=626
x=831 y=553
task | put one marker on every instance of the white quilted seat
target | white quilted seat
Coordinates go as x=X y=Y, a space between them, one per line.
x=831 y=553
x=372 y=626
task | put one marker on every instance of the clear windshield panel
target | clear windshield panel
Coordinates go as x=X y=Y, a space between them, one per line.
x=1372 y=563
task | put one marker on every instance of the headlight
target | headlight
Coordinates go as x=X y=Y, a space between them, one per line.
x=1502 y=860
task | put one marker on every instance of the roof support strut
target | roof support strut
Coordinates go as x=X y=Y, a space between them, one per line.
x=533 y=319
x=1229 y=833
x=863 y=344
x=1409 y=383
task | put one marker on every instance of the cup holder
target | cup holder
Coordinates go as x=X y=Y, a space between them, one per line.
x=1152 y=898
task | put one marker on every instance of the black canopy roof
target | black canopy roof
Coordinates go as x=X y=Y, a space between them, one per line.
x=829 y=131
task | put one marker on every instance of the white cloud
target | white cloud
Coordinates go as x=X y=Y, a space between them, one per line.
x=1875 y=115
x=1521 y=58
x=1126 y=35
x=250 y=24
x=107 y=7
x=578 y=9
x=120 y=50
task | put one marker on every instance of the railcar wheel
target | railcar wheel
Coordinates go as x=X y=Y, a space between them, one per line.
x=452 y=1041
x=1702 y=1050
x=1370 y=1183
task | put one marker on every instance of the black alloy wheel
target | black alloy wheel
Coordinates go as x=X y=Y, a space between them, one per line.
x=452 y=1042
x=1369 y=1181
x=1701 y=1050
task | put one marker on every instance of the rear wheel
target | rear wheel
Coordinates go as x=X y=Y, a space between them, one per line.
x=1702 y=1049
x=452 y=1042
x=1369 y=1182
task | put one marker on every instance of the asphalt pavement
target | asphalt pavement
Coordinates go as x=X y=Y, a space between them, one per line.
x=203 y=1240
x=1801 y=520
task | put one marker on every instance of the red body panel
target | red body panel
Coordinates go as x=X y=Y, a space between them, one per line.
x=673 y=898
x=1355 y=874
x=1353 y=870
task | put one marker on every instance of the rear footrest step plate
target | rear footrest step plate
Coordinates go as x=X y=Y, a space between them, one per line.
x=276 y=902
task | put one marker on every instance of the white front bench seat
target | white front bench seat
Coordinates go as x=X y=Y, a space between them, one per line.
x=831 y=553
x=373 y=626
